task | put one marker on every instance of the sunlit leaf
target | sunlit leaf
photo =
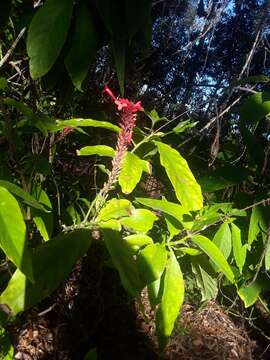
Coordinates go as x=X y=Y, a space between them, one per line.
x=115 y=209
x=249 y=294
x=101 y=150
x=131 y=172
x=214 y=254
x=187 y=190
x=13 y=233
x=140 y=220
x=222 y=239
x=171 y=301
x=239 y=251
x=135 y=241
x=87 y=123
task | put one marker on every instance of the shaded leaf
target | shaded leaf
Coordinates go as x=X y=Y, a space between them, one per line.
x=83 y=47
x=47 y=34
x=239 y=251
x=123 y=261
x=151 y=262
x=255 y=107
x=52 y=262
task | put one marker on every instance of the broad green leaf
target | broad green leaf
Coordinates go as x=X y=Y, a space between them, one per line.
x=118 y=44
x=239 y=251
x=155 y=290
x=151 y=262
x=87 y=123
x=222 y=178
x=171 y=301
x=47 y=34
x=155 y=118
x=43 y=220
x=131 y=172
x=267 y=257
x=214 y=254
x=140 y=220
x=123 y=261
x=23 y=195
x=222 y=239
x=136 y=241
x=13 y=233
x=6 y=348
x=175 y=210
x=256 y=224
x=115 y=209
x=83 y=46
x=255 y=107
x=187 y=190
x=204 y=279
x=52 y=262
x=91 y=354
x=101 y=150
x=137 y=13
x=110 y=224
x=249 y=294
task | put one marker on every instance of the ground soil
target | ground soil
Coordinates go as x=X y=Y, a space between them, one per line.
x=91 y=310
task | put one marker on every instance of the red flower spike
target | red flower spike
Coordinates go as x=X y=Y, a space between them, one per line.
x=124 y=104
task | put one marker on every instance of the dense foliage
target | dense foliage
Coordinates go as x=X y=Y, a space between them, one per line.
x=177 y=190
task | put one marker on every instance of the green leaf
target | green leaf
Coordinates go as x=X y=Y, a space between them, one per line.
x=214 y=254
x=153 y=115
x=267 y=257
x=222 y=239
x=255 y=107
x=140 y=220
x=43 y=221
x=137 y=13
x=187 y=190
x=155 y=290
x=83 y=47
x=3 y=83
x=135 y=241
x=115 y=209
x=131 y=172
x=101 y=150
x=151 y=262
x=175 y=210
x=27 y=198
x=256 y=224
x=123 y=261
x=87 y=123
x=183 y=126
x=91 y=354
x=47 y=34
x=171 y=301
x=13 y=233
x=118 y=44
x=52 y=262
x=19 y=106
x=239 y=251
x=204 y=278
x=190 y=251
x=249 y=294
x=222 y=178
x=6 y=348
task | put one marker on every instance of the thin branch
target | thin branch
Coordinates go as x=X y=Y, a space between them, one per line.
x=12 y=48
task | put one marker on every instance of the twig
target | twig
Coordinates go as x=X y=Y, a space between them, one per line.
x=12 y=48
